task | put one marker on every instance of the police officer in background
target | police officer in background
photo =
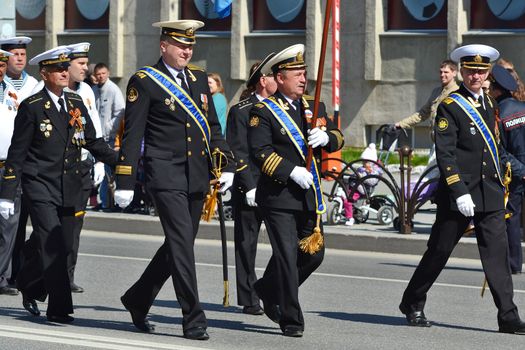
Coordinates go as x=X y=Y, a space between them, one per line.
x=169 y=105
x=512 y=115
x=50 y=129
x=247 y=216
x=288 y=195
x=470 y=187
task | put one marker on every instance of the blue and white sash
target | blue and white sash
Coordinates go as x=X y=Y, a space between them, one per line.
x=182 y=98
x=297 y=138
x=474 y=115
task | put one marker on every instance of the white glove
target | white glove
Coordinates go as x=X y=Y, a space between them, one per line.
x=250 y=197
x=302 y=177
x=466 y=205
x=98 y=173
x=7 y=207
x=226 y=181
x=317 y=137
x=123 y=197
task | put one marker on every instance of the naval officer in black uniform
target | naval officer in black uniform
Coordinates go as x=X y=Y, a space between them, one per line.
x=470 y=187
x=169 y=105
x=247 y=216
x=50 y=129
x=278 y=136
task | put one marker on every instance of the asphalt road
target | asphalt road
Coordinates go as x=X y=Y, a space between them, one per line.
x=349 y=303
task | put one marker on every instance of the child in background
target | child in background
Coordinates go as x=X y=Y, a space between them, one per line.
x=370 y=153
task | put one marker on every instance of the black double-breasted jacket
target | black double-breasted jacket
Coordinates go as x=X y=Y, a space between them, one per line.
x=175 y=153
x=464 y=159
x=276 y=156
x=42 y=155
x=247 y=173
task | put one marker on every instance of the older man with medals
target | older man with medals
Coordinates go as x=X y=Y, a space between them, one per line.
x=170 y=107
x=50 y=129
x=470 y=188
x=288 y=194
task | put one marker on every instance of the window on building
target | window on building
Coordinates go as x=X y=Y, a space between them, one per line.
x=417 y=15
x=497 y=14
x=279 y=15
x=30 y=15
x=203 y=10
x=87 y=14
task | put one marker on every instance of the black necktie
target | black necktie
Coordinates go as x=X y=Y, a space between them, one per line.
x=63 y=110
x=480 y=101
x=183 y=82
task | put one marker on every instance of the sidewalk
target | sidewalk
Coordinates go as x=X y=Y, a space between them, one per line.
x=369 y=236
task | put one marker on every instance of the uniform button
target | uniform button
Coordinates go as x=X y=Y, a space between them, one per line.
x=189 y=153
x=78 y=160
x=65 y=160
x=485 y=150
x=203 y=139
x=483 y=176
x=76 y=171
x=189 y=139
x=67 y=149
x=188 y=125
x=484 y=163
x=203 y=153
x=65 y=171
x=496 y=176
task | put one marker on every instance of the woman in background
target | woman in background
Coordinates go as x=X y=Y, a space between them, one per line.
x=221 y=104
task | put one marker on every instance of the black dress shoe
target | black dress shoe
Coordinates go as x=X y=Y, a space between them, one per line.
x=60 y=318
x=8 y=291
x=292 y=332
x=271 y=310
x=253 y=310
x=514 y=327
x=76 y=288
x=138 y=318
x=197 y=333
x=415 y=318
x=30 y=305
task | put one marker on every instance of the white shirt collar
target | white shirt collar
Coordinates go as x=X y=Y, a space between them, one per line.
x=173 y=71
x=259 y=97
x=290 y=101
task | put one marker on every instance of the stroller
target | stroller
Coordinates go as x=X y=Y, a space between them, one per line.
x=352 y=196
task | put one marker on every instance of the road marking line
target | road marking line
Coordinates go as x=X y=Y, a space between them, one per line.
x=315 y=273
x=93 y=341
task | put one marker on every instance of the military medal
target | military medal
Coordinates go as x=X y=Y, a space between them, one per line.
x=46 y=127
x=204 y=100
x=473 y=130
x=76 y=121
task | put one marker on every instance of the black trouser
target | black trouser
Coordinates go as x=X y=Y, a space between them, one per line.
x=20 y=239
x=246 y=232
x=289 y=266
x=87 y=186
x=492 y=244
x=179 y=215
x=514 y=232
x=44 y=268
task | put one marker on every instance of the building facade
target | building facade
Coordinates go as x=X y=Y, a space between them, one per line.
x=390 y=50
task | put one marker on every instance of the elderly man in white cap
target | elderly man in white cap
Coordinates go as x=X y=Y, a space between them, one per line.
x=470 y=188
x=170 y=107
x=8 y=224
x=288 y=194
x=50 y=129
x=16 y=74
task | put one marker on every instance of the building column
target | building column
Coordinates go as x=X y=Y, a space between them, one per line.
x=116 y=38
x=240 y=27
x=55 y=10
x=457 y=18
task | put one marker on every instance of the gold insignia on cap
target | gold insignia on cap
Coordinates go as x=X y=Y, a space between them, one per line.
x=254 y=121
x=133 y=94
x=299 y=57
x=190 y=32
x=62 y=57
x=442 y=124
x=478 y=59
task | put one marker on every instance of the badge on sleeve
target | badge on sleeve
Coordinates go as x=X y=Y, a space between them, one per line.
x=442 y=124
x=133 y=94
x=254 y=121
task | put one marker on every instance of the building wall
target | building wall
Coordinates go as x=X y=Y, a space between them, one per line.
x=385 y=75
